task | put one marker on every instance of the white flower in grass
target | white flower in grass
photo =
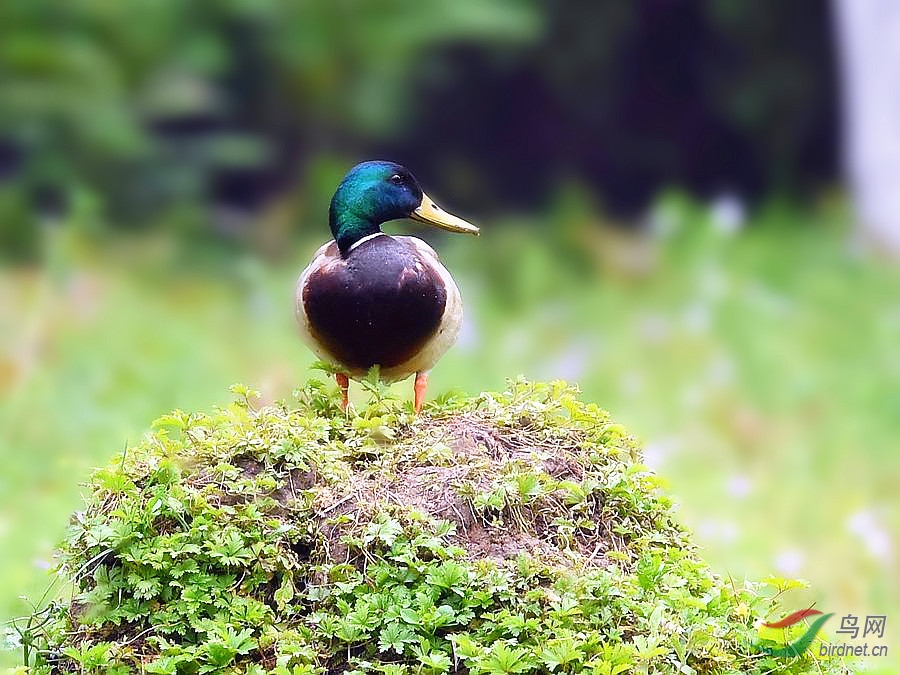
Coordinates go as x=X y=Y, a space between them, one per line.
x=789 y=561
x=865 y=526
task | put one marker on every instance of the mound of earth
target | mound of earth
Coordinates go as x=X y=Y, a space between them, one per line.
x=511 y=532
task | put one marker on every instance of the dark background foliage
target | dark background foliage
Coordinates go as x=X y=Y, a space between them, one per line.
x=150 y=107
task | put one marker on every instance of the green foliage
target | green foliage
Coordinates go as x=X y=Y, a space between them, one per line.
x=142 y=105
x=288 y=540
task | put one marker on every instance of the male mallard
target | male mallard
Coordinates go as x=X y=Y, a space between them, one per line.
x=370 y=299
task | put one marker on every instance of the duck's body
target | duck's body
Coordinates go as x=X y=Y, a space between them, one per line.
x=390 y=303
x=370 y=299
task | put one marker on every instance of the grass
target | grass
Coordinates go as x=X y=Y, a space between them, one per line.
x=511 y=532
x=760 y=369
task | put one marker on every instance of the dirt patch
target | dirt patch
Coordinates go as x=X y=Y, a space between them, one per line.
x=444 y=488
x=433 y=490
x=470 y=436
x=499 y=543
x=297 y=480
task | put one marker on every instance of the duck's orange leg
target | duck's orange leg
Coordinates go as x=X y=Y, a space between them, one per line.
x=344 y=384
x=419 y=389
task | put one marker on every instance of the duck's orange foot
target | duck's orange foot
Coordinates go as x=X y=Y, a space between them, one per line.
x=419 y=389
x=344 y=384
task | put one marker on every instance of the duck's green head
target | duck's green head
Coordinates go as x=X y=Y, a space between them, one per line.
x=373 y=193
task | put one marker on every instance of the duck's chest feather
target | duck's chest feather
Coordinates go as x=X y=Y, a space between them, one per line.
x=378 y=305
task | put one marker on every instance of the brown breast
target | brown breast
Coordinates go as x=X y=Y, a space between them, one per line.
x=378 y=305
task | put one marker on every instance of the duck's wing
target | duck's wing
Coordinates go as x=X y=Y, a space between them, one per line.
x=327 y=255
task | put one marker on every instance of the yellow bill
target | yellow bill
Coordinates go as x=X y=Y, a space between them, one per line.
x=432 y=214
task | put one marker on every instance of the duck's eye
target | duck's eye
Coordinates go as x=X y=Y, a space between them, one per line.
x=396 y=179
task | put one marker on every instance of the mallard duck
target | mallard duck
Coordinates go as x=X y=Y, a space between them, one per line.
x=370 y=299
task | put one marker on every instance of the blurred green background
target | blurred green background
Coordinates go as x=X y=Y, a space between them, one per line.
x=663 y=223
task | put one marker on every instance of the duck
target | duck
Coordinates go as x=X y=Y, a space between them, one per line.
x=371 y=299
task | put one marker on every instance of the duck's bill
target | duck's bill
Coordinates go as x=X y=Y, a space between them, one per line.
x=432 y=214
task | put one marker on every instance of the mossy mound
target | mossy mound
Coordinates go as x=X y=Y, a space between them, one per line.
x=507 y=533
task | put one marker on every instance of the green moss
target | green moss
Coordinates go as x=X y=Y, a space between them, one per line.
x=506 y=533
